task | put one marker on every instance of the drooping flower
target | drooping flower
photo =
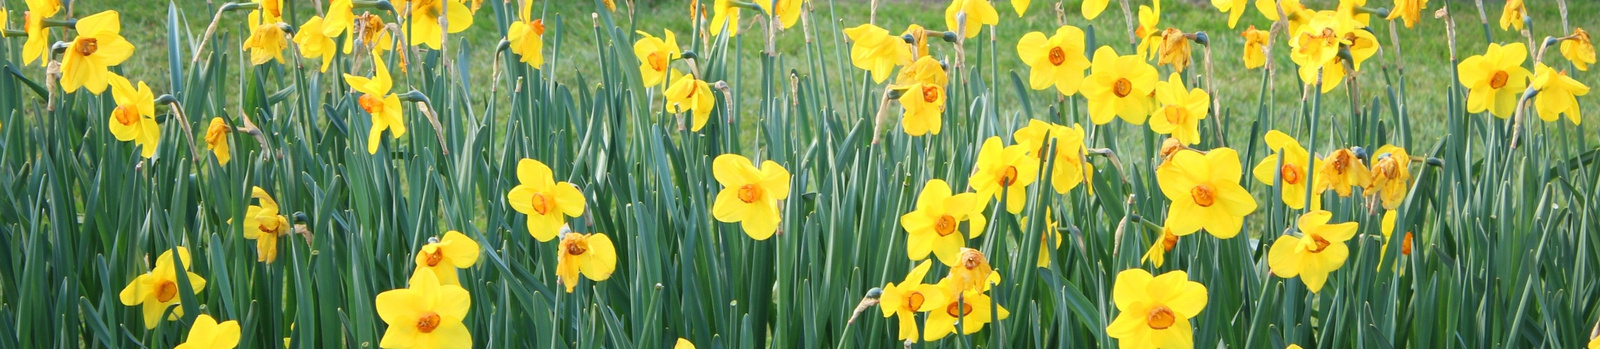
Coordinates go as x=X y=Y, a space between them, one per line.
x=934 y=227
x=1321 y=249
x=1175 y=49
x=1154 y=311
x=1391 y=176
x=424 y=22
x=874 y=50
x=1147 y=32
x=924 y=70
x=134 y=118
x=1093 y=8
x=924 y=105
x=919 y=44
x=689 y=93
x=977 y=13
x=208 y=334
x=376 y=100
x=1511 y=16
x=267 y=41
x=1070 y=167
x=1557 y=94
x=341 y=18
x=1293 y=170
x=787 y=12
x=314 y=44
x=970 y=308
x=527 y=37
x=546 y=202
x=1234 y=8
x=217 y=140
x=1495 y=79
x=725 y=14
x=654 y=56
x=425 y=315
x=1579 y=49
x=1120 y=86
x=910 y=297
x=1005 y=173
x=1255 y=47
x=1409 y=11
x=1341 y=172
x=264 y=225
x=749 y=196
x=99 y=45
x=454 y=251
x=1181 y=110
x=1054 y=61
x=1157 y=254
x=1205 y=192
x=589 y=254
x=158 y=289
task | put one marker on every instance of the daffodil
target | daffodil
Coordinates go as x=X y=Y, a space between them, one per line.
x=1120 y=86
x=38 y=34
x=1005 y=173
x=1157 y=254
x=1175 y=49
x=924 y=109
x=1045 y=248
x=379 y=103
x=424 y=28
x=158 y=289
x=1329 y=75
x=749 y=196
x=970 y=308
x=264 y=225
x=425 y=315
x=935 y=225
x=1054 y=61
x=134 y=118
x=1557 y=94
x=1293 y=170
x=787 y=12
x=44 y=8
x=689 y=93
x=266 y=42
x=1255 y=47
x=969 y=16
x=725 y=18
x=1341 y=172
x=444 y=256
x=372 y=32
x=527 y=37
x=1594 y=343
x=1511 y=16
x=1409 y=11
x=1154 y=311
x=1316 y=43
x=1021 y=6
x=1495 y=79
x=1579 y=49
x=217 y=140
x=1234 y=8
x=1205 y=192
x=1181 y=110
x=918 y=46
x=1093 y=8
x=910 y=297
x=99 y=45
x=546 y=202
x=589 y=254
x=683 y=344
x=1147 y=32
x=314 y=44
x=874 y=50
x=340 y=18
x=970 y=271
x=1391 y=176
x=208 y=334
x=1363 y=45
x=1070 y=168
x=924 y=70
x=1320 y=250
x=654 y=54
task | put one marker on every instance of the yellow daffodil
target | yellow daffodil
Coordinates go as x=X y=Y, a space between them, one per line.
x=217 y=140
x=1391 y=176
x=1149 y=35
x=1120 y=86
x=266 y=42
x=689 y=93
x=970 y=271
x=1389 y=218
x=134 y=118
x=591 y=254
x=425 y=315
x=1332 y=74
x=935 y=225
x=444 y=256
x=340 y=18
x=527 y=37
x=1175 y=49
x=38 y=35
x=1255 y=47
x=1557 y=94
x=264 y=225
x=1594 y=343
x=1351 y=10
x=546 y=202
x=374 y=34
x=1181 y=110
x=910 y=297
x=1317 y=42
x=725 y=14
x=683 y=344
x=1205 y=192
x=1293 y=171
x=1341 y=172
x=208 y=334
x=1320 y=250
x=1495 y=79
x=1363 y=45
x=1049 y=229
x=970 y=308
x=1579 y=49
x=1157 y=254
x=44 y=8
x=158 y=289
x=1154 y=311
x=924 y=70
x=266 y=11
x=1070 y=167
x=1093 y=8
x=787 y=12
x=99 y=45
x=313 y=44
x=919 y=46
x=1298 y=14
x=874 y=50
x=977 y=13
x=424 y=22
x=1005 y=173
x=1234 y=8
x=1054 y=61
x=924 y=109
x=377 y=101
x=1511 y=15
x=1409 y=11
x=749 y=196
x=654 y=56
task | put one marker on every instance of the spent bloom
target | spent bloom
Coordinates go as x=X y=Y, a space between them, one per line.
x=546 y=202
x=1320 y=250
x=749 y=195
x=1511 y=15
x=267 y=41
x=1579 y=49
x=1154 y=311
x=1255 y=47
x=158 y=289
x=1391 y=176
x=425 y=315
x=1409 y=11
x=1341 y=172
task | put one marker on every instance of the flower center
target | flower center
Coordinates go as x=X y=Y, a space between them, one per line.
x=1330 y=37
x=1499 y=79
x=972 y=261
x=1388 y=168
x=166 y=290
x=1203 y=195
x=1169 y=241
x=1009 y=177
x=1318 y=244
x=1176 y=115
x=1122 y=87
x=1291 y=173
x=1405 y=246
x=435 y=257
x=126 y=115
x=657 y=60
x=1057 y=56
x=958 y=309
x=86 y=46
x=1341 y=160
x=930 y=93
x=427 y=322
x=945 y=226
x=574 y=250
x=749 y=193
x=914 y=300
x=537 y=27
x=1161 y=318
x=371 y=104
x=541 y=204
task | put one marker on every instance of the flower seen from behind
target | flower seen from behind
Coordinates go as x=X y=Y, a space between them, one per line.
x=1409 y=11
x=1579 y=49
x=314 y=44
x=1557 y=94
x=264 y=224
x=1255 y=47
x=1070 y=168
x=267 y=41
x=1511 y=15
x=217 y=140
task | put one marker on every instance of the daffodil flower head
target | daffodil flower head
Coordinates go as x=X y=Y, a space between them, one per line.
x=266 y=43
x=934 y=227
x=969 y=308
x=208 y=334
x=1351 y=10
x=919 y=44
x=1070 y=168
x=1181 y=110
x=924 y=105
x=1049 y=229
x=1234 y=9
x=546 y=202
x=1495 y=79
x=786 y=11
x=264 y=224
x=969 y=16
x=874 y=50
x=99 y=45
x=38 y=35
x=1120 y=86
x=1512 y=14
x=1175 y=50
x=1005 y=173
x=911 y=296
x=527 y=37
x=425 y=315
x=217 y=140
x=970 y=271
x=341 y=18
x=314 y=44
x=1319 y=251
x=683 y=344
x=1579 y=49
x=592 y=255
x=1391 y=176
x=1409 y=11
x=1157 y=254
x=655 y=54
x=134 y=118
x=689 y=93
x=1316 y=43
x=376 y=100
x=1154 y=311
x=1293 y=171
x=425 y=29
x=925 y=70
x=1057 y=60
x=1557 y=94
x=1149 y=35
x=1341 y=171
x=158 y=289
x=444 y=256
x=749 y=195
x=1255 y=47
x=266 y=11
x=1205 y=192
